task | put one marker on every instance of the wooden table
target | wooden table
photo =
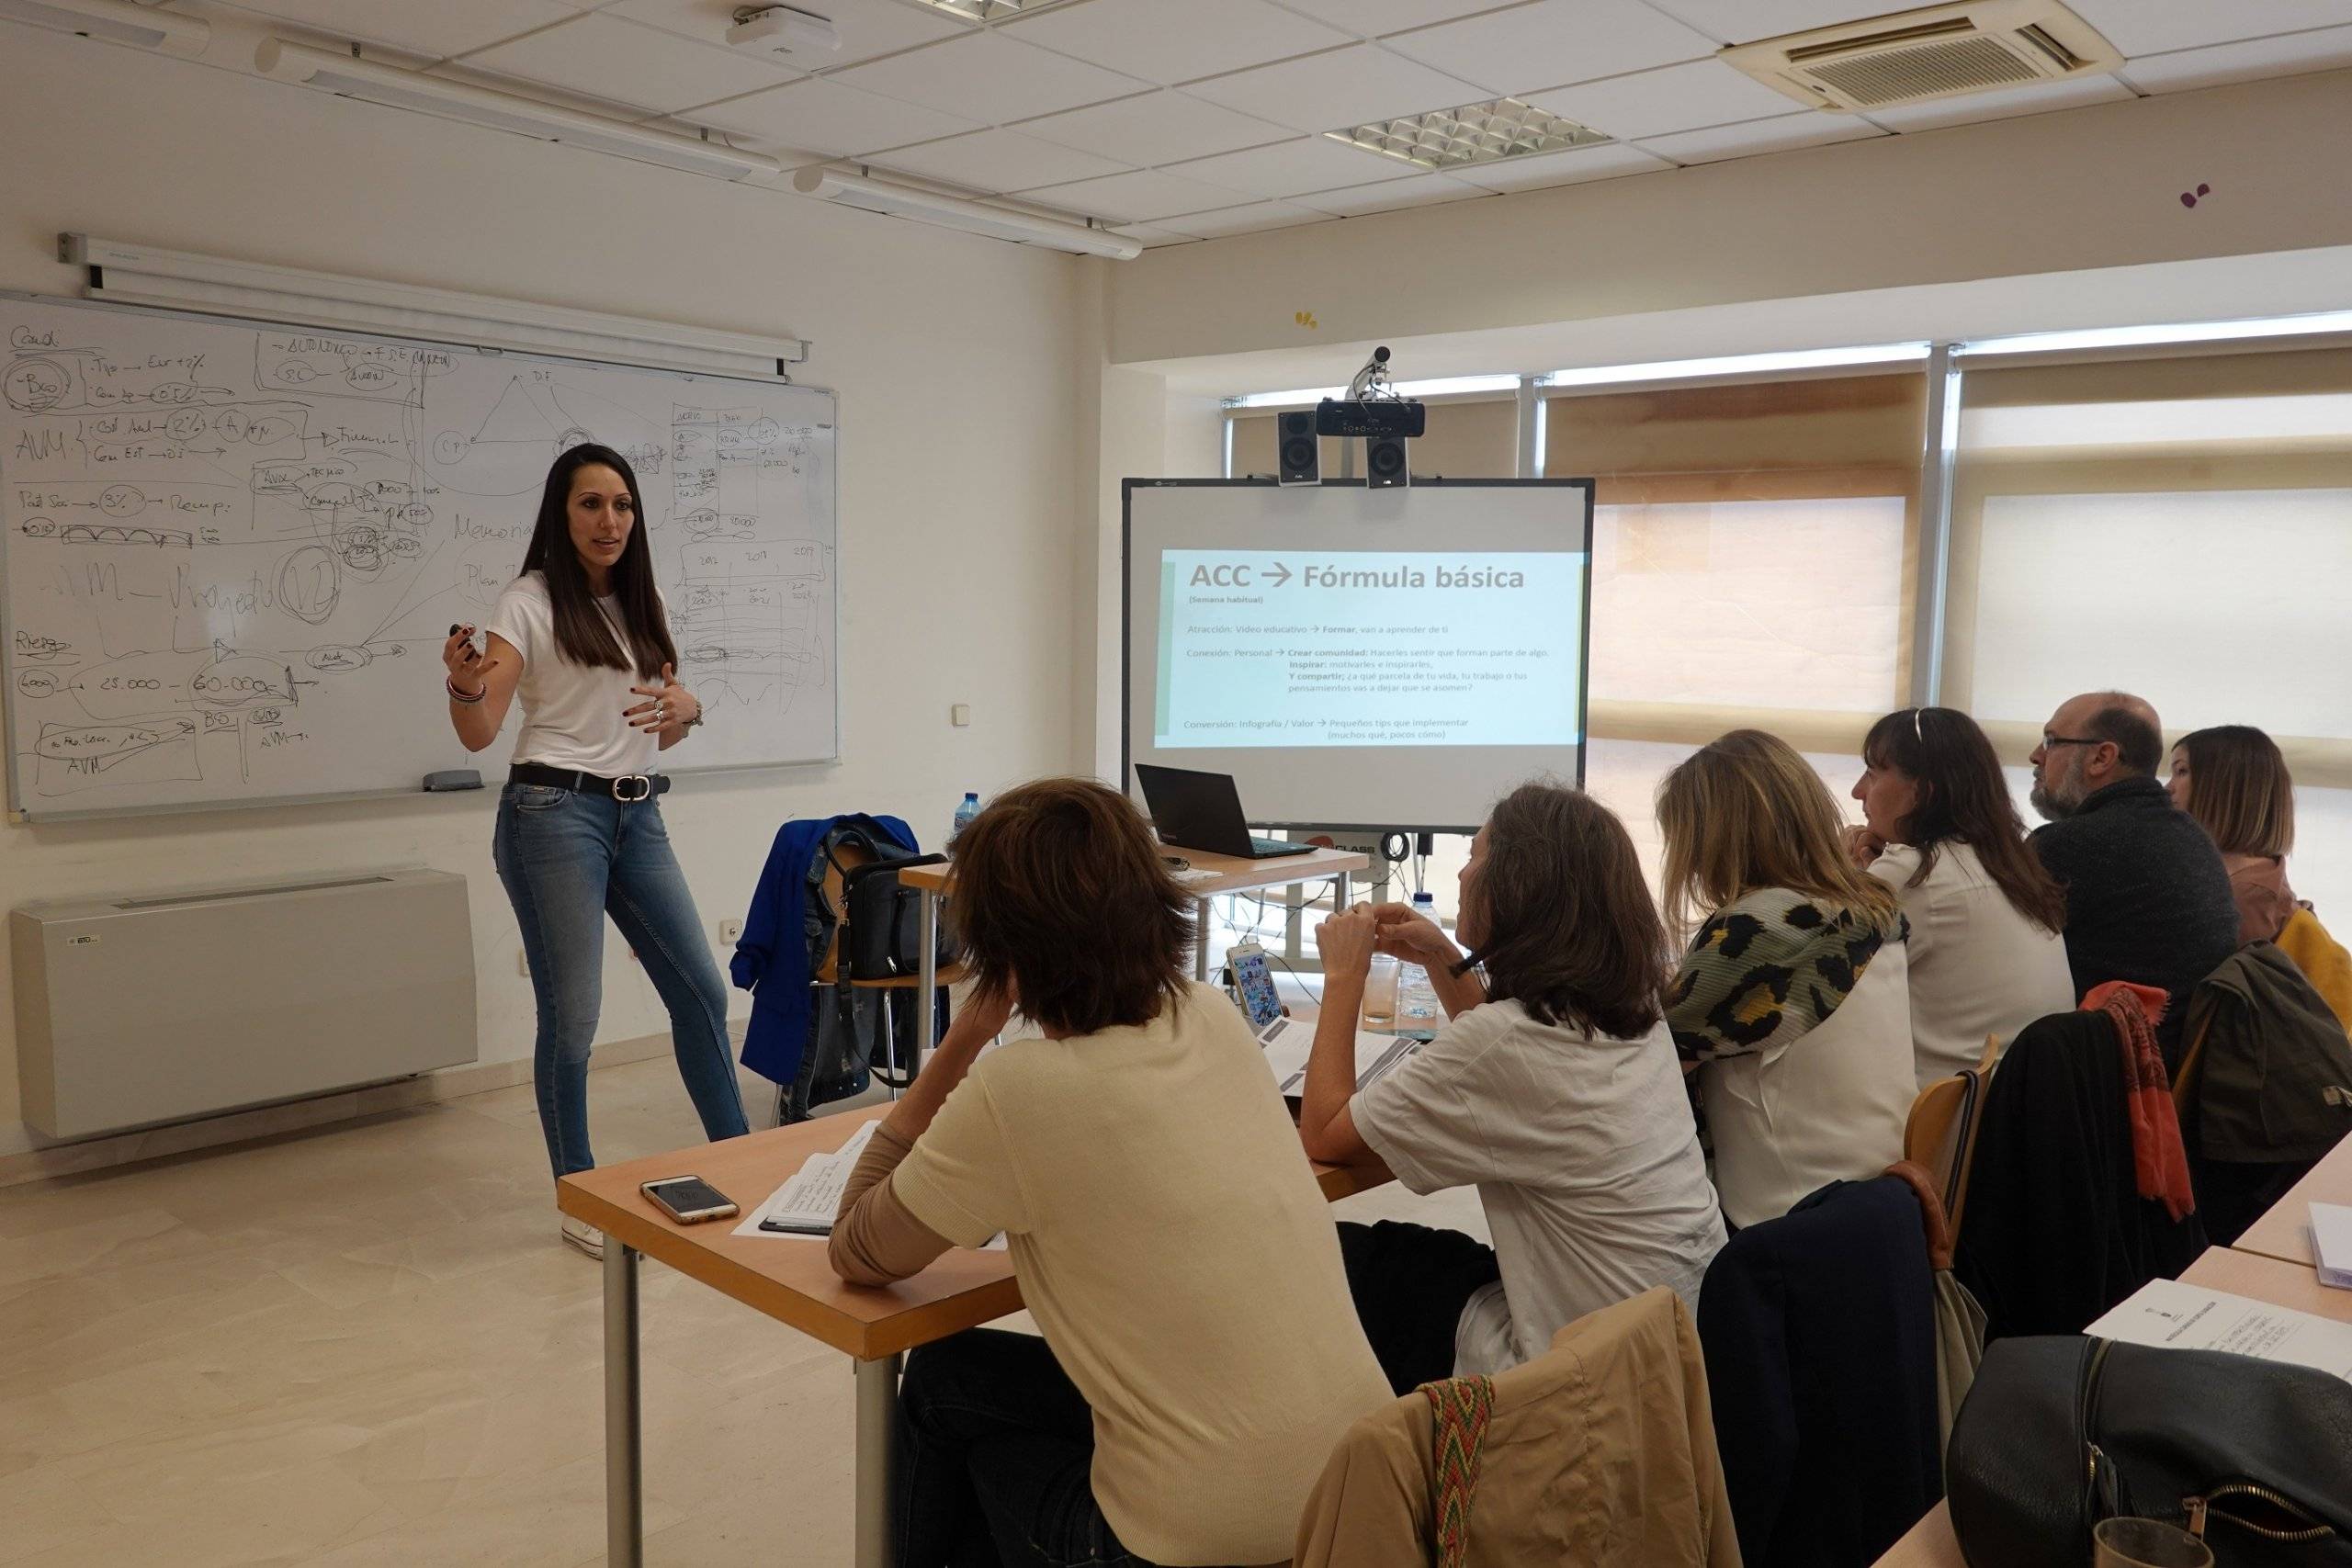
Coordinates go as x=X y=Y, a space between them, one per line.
x=790 y=1280
x=2264 y=1279
x=2285 y=1232
x=1233 y=875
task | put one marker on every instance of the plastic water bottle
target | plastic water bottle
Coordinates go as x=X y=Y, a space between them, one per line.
x=964 y=814
x=1418 y=1008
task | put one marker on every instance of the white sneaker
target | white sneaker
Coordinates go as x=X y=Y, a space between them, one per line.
x=582 y=1237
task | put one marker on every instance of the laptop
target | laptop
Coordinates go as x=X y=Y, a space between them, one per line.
x=1202 y=811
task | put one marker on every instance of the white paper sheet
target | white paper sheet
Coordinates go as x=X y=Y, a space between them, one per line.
x=2169 y=1314
x=1288 y=1041
x=2331 y=1243
x=813 y=1195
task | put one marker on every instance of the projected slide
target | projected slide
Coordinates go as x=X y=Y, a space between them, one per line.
x=1316 y=648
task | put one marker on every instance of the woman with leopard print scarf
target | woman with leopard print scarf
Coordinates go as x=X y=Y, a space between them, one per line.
x=1792 y=1007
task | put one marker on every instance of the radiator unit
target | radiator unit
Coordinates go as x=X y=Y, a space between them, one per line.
x=138 y=1010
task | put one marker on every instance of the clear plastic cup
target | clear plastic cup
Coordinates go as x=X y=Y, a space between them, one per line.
x=1380 y=994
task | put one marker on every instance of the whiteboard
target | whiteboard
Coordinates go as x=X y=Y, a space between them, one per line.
x=233 y=550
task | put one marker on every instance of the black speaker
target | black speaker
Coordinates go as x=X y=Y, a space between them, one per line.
x=1384 y=461
x=1297 y=453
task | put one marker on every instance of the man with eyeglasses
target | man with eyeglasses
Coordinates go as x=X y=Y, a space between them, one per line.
x=2147 y=897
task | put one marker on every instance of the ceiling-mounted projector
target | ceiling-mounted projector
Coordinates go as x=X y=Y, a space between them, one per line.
x=783 y=30
x=1372 y=407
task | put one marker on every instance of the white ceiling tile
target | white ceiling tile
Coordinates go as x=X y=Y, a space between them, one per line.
x=1745 y=21
x=1346 y=86
x=437 y=29
x=2324 y=49
x=1371 y=18
x=2159 y=27
x=2008 y=104
x=822 y=116
x=1253 y=219
x=1387 y=195
x=989 y=77
x=1163 y=42
x=1572 y=167
x=1806 y=128
x=1679 y=97
x=1547 y=42
x=1142 y=196
x=607 y=58
x=996 y=161
x=1309 y=162
x=1152 y=236
x=868 y=27
x=1158 y=127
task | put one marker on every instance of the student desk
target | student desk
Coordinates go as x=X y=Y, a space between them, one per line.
x=1234 y=874
x=789 y=1279
x=2285 y=1232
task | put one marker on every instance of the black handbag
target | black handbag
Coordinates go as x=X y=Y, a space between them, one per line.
x=2061 y=1431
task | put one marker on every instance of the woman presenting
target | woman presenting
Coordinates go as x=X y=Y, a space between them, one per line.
x=581 y=636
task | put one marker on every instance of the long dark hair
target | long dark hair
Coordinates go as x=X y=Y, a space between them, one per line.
x=582 y=633
x=1964 y=800
x=1571 y=931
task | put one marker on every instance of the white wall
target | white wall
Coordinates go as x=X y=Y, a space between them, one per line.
x=956 y=358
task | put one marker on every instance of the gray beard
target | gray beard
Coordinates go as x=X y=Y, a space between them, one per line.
x=2051 y=809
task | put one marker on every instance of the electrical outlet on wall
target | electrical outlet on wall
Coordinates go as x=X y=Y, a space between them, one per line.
x=730 y=932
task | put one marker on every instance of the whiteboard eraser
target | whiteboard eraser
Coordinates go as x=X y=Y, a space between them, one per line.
x=452 y=778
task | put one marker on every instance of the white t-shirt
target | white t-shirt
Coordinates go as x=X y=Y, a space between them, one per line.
x=1978 y=967
x=571 y=713
x=1584 y=1154
x=1828 y=1106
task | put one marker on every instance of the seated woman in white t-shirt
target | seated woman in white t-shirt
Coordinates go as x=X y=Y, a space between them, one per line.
x=1986 y=956
x=1555 y=1090
x=1792 y=1003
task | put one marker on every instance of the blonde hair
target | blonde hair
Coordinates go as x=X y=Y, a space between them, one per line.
x=1745 y=812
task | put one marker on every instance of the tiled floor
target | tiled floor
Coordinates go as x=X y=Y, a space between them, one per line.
x=364 y=1345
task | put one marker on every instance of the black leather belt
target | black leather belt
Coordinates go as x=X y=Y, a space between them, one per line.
x=629 y=787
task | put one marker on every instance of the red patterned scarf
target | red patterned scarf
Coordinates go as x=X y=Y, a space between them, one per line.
x=1459 y=1411
x=2159 y=1163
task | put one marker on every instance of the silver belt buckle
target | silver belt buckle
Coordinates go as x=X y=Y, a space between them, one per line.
x=644 y=788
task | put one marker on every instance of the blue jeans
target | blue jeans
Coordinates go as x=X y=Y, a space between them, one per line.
x=568 y=860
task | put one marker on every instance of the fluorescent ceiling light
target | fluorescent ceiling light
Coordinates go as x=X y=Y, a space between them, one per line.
x=954 y=212
x=1442 y=387
x=114 y=21
x=352 y=78
x=2179 y=332
x=1739 y=365
x=985 y=10
x=1475 y=133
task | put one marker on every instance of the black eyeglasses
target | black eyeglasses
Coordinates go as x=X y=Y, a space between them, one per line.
x=2050 y=741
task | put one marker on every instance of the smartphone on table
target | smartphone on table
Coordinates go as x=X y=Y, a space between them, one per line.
x=1253 y=984
x=689 y=1200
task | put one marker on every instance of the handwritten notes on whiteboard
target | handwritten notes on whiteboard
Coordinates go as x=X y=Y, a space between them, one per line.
x=234 y=550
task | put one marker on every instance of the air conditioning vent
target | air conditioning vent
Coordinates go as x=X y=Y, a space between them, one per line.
x=1940 y=52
